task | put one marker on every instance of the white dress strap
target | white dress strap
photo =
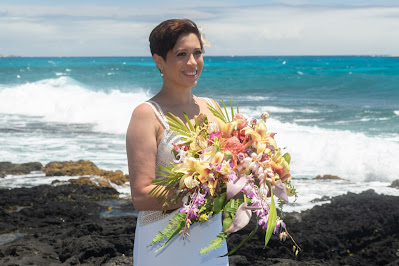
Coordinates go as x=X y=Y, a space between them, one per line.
x=159 y=113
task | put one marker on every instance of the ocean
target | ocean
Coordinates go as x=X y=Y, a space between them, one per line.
x=336 y=115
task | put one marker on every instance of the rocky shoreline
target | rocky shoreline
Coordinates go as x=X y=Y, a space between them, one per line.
x=74 y=224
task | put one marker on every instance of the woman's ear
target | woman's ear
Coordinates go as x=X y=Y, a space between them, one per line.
x=159 y=61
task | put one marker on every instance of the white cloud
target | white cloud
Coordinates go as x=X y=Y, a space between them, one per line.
x=232 y=29
x=295 y=30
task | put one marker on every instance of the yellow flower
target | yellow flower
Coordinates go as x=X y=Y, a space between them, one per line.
x=203 y=170
x=261 y=138
x=280 y=166
x=203 y=217
x=226 y=128
x=261 y=128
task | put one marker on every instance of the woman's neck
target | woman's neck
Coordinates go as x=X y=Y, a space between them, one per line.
x=175 y=96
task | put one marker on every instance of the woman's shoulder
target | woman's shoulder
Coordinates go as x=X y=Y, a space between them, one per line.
x=143 y=112
x=143 y=109
x=143 y=120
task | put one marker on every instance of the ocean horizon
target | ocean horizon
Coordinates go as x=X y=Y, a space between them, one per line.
x=336 y=115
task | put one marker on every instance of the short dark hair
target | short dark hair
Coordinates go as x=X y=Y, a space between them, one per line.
x=164 y=36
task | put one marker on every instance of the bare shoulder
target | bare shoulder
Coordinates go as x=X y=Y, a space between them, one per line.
x=143 y=119
x=143 y=111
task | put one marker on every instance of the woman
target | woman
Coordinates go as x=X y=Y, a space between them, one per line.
x=177 y=49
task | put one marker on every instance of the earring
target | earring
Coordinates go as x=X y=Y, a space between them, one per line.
x=161 y=73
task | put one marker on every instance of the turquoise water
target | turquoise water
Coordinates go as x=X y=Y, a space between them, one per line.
x=335 y=115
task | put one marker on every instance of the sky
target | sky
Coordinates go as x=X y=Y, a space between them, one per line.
x=233 y=27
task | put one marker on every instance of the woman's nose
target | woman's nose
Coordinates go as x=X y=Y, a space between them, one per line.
x=191 y=60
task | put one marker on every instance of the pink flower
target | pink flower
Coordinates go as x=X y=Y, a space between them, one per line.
x=212 y=136
x=241 y=120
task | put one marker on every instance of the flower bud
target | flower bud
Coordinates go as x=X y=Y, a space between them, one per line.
x=283 y=236
x=259 y=170
x=261 y=176
x=228 y=155
x=252 y=165
x=264 y=116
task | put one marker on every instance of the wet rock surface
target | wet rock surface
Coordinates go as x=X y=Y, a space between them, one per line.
x=395 y=184
x=82 y=168
x=327 y=177
x=62 y=225
x=8 y=168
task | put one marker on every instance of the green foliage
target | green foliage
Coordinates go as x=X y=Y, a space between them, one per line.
x=227 y=222
x=271 y=222
x=287 y=157
x=163 y=185
x=177 y=125
x=292 y=189
x=173 y=228
x=218 y=203
x=217 y=144
x=217 y=112
x=215 y=243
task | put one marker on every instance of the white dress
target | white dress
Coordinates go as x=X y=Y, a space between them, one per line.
x=178 y=251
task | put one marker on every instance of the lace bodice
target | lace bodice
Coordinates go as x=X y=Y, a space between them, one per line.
x=164 y=157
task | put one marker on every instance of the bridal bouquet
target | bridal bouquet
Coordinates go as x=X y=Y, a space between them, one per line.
x=234 y=167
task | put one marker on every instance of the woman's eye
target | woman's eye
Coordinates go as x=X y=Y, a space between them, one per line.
x=181 y=54
x=198 y=52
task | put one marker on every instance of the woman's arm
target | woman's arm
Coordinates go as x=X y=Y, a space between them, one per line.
x=141 y=148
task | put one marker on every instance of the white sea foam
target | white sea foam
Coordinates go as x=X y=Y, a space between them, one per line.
x=308 y=190
x=396 y=112
x=314 y=151
x=251 y=98
x=275 y=109
x=349 y=155
x=352 y=156
x=65 y=100
x=308 y=119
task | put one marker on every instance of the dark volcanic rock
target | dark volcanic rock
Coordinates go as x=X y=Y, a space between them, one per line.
x=327 y=177
x=355 y=229
x=8 y=168
x=324 y=198
x=395 y=184
x=61 y=225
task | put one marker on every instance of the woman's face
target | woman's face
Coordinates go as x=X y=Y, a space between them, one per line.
x=184 y=62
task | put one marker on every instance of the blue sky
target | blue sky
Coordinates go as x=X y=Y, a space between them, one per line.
x=279 y=27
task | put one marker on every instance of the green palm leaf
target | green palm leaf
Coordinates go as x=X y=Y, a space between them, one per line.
x=271 y=222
